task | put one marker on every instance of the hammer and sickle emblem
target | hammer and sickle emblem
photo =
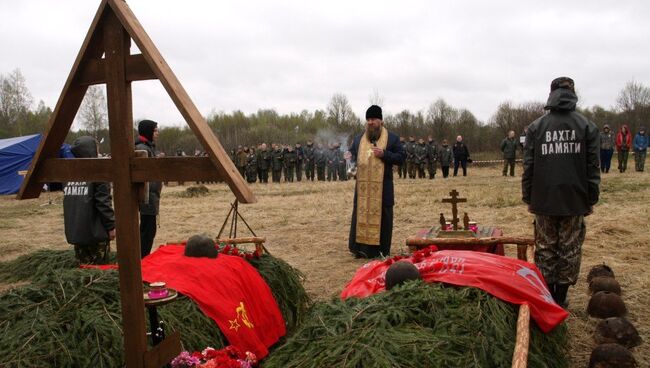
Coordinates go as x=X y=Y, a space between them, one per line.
x=241 y=314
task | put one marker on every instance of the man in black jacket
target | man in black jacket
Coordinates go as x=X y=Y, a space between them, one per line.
x=560 y=184
x=461 y=155
x=148 y=132
x=88 y=214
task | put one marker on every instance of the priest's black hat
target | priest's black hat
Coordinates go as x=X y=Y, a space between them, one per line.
x=374 y=112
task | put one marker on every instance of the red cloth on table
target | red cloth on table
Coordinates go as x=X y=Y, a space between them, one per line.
x=508 y=279
x=493 y=232
x=227 y=289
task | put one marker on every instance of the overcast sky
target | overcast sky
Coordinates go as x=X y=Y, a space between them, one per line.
x=294 y=55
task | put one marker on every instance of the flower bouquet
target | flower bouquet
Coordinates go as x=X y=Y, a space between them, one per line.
x=228 y=357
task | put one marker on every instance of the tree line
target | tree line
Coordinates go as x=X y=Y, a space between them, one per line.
x=335 y=123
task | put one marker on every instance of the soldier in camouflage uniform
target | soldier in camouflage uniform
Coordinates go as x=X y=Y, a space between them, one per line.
x=445 y=156
x=251 y=166
x=276 y=163
x=410 y=157
x=420 y=158
x=401 y=169
x=332 y=163
x=290 y=160
x=320 y=159
x=263 y=163
x=300 y=154
x=432 y=157
x=342 y=173
x=310 y=164
x=560 y=184
x=241 y=160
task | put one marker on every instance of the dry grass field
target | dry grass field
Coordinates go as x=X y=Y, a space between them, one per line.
x=307 y=224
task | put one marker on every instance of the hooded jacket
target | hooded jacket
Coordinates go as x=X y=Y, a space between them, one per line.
x=561 y=160
x=641 y=142
x=607 y=140
x=623 y=141
x=87 y=207
x=155 y=187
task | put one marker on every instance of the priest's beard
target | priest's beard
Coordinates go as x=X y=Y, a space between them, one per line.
x=373 y=133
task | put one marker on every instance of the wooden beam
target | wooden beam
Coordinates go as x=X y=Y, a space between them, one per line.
x=65 y=110
x=174 y=169
x=137 y=69
x=522 y=339
x=59 y=170
x=164 y=352
x=416 y=241
x=120 y=117
x=184 y=104
x=249 y=240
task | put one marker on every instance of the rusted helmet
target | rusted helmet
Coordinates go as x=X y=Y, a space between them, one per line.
x=617 y=330
x=201 y=246
x=600 y=270
x=611 y=356
x=604 y=283
x=605 y=304
x=400 y=272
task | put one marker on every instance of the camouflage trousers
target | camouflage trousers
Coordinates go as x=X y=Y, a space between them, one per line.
x=558 y=247
x=92 y=254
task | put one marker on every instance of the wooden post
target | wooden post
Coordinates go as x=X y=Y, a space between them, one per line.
x=110 y=33
x=118 y=91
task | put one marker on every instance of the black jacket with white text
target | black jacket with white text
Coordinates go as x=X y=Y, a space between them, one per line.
x=561 y=160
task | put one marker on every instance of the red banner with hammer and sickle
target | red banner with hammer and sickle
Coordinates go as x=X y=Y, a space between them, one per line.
x=227 y=289
x=508 y=279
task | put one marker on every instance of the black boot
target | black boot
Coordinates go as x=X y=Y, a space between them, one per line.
x=561 y=291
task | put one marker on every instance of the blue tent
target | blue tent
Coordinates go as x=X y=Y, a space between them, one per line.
x=16 y=155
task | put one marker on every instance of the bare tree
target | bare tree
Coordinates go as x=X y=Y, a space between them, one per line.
x=633 y=96
x=92 y=113
x=376 y=98
x=441 y=117
x=15 y=101
x=339 y=111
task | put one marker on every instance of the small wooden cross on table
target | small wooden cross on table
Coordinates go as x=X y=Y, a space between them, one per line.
x=454 y=200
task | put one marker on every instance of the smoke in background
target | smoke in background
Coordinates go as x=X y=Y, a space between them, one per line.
x=326 y=137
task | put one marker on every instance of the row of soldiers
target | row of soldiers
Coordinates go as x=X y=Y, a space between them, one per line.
x=421 y=156
x=289 y=162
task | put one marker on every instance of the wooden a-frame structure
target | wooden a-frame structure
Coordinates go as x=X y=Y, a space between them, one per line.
x=105 y=58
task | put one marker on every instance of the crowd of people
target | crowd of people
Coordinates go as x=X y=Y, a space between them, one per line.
x=284 y=162
x=623 y=142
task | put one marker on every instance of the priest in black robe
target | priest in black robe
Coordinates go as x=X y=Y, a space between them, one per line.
x=375 y=152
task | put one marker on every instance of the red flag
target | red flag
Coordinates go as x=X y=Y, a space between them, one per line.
x=227 y=289
x=508 y=279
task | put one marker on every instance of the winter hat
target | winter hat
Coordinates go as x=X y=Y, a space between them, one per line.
x=374 y=112
x=563 y=82
x=146 y=128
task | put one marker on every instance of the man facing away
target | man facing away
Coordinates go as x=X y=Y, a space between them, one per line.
x=88 y=215
x=375 y=152
x=560 y=184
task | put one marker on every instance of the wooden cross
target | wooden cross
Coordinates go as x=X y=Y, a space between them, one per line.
x=454 y=200
x=105 y=58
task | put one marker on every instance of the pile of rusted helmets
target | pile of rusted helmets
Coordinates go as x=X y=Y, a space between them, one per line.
x=614 y=334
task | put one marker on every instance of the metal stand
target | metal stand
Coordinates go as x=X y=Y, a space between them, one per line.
x=234 y=216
